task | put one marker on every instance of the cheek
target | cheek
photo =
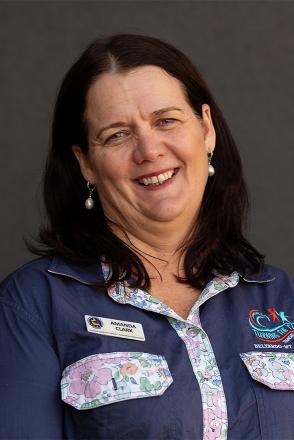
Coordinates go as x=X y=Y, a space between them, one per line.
x=190 y=141
x=111 y=166
x=193 y=154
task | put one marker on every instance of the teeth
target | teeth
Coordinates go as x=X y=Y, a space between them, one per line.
x=157 y=180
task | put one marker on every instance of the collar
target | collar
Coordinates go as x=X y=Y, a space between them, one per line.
x=91 y=274
x=85 y=273
x=122 y=293
x=266 y=275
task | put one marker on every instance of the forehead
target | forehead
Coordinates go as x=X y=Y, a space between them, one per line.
x=146 y=89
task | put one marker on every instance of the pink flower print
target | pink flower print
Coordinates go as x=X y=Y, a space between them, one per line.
x=87 y=379
x=71 y=400
x=128 y=369
x=192 y=343
x=194 y=317
x=212 y=427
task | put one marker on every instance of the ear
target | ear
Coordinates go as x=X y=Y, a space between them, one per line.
x=85 y=164
x=209 y=131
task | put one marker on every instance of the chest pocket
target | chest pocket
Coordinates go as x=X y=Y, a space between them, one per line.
x=275 y=370
x=273 y=374
x=106 y=378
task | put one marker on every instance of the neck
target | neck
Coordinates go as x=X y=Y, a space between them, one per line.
x=159 y=246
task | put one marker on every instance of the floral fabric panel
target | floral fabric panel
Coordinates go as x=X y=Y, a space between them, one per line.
x=215 y=286
x=200 y=351
x=105 y=378
x=276 y=370
x=215 y=419
x=201 y=355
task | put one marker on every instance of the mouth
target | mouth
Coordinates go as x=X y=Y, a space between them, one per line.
x=157 y=179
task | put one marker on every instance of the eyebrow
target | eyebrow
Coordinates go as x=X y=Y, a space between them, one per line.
x=124 y=124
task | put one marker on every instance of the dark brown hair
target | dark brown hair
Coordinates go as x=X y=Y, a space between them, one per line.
x=77 y=234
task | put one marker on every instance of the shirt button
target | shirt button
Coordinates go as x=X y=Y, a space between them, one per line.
x=192 y=331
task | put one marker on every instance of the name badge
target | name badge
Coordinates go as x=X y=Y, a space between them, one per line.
x=114 y=327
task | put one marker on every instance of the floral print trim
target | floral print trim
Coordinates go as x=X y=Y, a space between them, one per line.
x=200 y=351
x=215 y=419
x=276 y=370
x=201 y=355
x=124 y=294
x=209 y=379
x=105 y=378
x=218 y=284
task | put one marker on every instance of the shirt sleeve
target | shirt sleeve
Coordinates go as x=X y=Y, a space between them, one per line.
x=30 y=402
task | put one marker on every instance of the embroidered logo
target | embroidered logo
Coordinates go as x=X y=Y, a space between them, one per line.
x=272 y=326
x=95 y=322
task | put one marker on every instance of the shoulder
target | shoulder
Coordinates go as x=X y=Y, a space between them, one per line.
x=42 y=283
x=271 y=281
x=279 y=275
x=269 y=273
x=27 y=290
x=28 y=276
x=28 y=271
x=25 y=294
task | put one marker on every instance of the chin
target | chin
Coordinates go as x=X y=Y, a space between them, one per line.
x=167 y=214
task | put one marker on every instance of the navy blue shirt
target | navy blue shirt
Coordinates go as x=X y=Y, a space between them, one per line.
x=78 y=361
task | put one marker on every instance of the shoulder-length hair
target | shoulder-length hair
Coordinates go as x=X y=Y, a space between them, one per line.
x=217 y=242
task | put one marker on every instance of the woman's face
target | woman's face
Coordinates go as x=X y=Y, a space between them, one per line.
x=147 y=149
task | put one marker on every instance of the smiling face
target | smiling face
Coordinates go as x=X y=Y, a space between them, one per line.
x=147 y=148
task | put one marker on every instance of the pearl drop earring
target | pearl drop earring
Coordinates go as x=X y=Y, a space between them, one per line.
x=89 y=203
x=211 y=170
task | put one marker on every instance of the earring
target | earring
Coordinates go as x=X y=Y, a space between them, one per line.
x=89 y=203
x=211 y=169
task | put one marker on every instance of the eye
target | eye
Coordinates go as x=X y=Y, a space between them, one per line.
x=166 y=121
x=116 y=136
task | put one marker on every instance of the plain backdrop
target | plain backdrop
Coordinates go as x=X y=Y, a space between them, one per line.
x=245 y=51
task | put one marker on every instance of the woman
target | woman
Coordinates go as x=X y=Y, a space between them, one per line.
x=160 y=320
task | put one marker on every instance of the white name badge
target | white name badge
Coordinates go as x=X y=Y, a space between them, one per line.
x=114 y=327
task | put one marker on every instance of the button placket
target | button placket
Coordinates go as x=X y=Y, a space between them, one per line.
x=204 y=365
x=203 y=361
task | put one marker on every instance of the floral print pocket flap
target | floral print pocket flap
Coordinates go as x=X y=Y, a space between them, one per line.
x=105 y=378
x=276 y=370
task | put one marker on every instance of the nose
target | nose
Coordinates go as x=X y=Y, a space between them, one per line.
x=148 y=147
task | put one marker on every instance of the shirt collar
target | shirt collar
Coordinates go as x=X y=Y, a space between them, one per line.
x=264 y=276
x=122 y=293
x=91 y=274
x=85 y=273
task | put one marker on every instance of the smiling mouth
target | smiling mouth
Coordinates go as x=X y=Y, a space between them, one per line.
x=159 y=179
